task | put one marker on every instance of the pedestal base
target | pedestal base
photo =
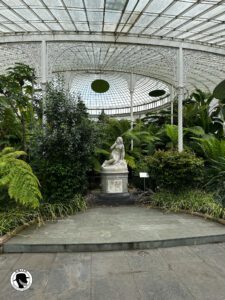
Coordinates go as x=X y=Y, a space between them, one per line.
x=115 y=199
x=114 y=182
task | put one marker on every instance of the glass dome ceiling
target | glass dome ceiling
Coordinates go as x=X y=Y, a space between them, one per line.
x=118 y=95
x=122 y=36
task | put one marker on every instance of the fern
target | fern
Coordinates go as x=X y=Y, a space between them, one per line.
x=17 y=176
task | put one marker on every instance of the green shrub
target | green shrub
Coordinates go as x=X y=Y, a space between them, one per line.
x=175 y=170
x=192 y=201
x=61 y=154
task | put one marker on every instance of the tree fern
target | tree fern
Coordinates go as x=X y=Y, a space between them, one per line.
x=213 y=148
x=17 y=176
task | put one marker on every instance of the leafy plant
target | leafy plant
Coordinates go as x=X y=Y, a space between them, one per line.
x=174 y=170
x=15 y=216
x=188 y=200
x=197 y=111
x=16 y=95
x=213 y=148
x=17 y=176
x=61 y=153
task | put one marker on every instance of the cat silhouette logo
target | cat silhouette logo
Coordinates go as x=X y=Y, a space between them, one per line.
x=21 y=280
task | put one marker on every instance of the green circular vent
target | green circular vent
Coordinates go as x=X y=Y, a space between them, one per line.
x=157 y=93
x=100 y=86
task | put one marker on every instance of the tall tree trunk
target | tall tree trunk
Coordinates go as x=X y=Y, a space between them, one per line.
x=24 y=144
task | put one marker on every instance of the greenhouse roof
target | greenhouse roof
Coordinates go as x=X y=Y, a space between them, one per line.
x=194 y=21
x=125 y=36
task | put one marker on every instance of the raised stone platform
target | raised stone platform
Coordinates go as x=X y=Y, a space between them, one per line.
x=117 y=228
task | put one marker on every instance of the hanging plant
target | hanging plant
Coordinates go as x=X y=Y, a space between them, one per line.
x=100 y=86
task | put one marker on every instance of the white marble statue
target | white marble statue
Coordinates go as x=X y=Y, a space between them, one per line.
x=117 y=156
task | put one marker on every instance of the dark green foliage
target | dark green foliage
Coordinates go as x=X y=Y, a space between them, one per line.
x=189 y=200
x=16 y=108
x=175 y=171
x=61 y=154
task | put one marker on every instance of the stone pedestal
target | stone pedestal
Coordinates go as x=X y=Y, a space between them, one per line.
x=114 y=186
x=114 y=182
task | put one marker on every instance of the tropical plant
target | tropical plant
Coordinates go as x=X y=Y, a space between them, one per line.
x=200 y=111
x=16 y=109
x=212 y=147
x=17 y=176
x=168 y=137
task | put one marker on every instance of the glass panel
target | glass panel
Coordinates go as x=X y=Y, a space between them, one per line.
x=82 y=26
x=33 y=2
x=190 y=25
x=95 y=16
x=13 y=27
x=27 y=27
x=217 y=40
x=43 y=14
x=141 y=5
x=60 y=14
x=54 y=26
x=3 y=29
x=10 y=15
x=14 y=3
x=176 y=23
x=40 y=26
x=131 y=4
x=199 y=8
x=144 y=20
x=177 y=8
x=96 y=27
x=217 y=28
x=197 y=36
x=157 y=6
x=204 y=26
x=115 y=5
x=213 y=12
x=73 y=3
x=99 y=4
x=27 y=14
x=68 y=26
x=221 y=18
x=53 y=3
x=77 y=15
x=112 y=17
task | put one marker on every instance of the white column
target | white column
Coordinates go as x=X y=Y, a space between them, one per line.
x=44 y=71
x=180 y=78
x=131 y=106
x=171 y=103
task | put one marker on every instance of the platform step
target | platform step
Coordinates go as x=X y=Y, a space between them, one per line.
x=53 y=248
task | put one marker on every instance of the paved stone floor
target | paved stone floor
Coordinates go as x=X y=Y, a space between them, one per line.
x=194 y=272
x=118 y=224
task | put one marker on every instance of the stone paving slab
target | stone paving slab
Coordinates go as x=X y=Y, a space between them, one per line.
x=187 y=273
x=117 y=228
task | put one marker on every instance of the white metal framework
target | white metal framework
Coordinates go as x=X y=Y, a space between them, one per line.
x=140 y=37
